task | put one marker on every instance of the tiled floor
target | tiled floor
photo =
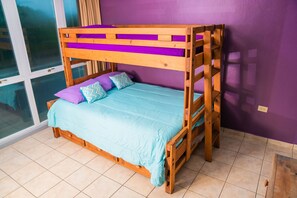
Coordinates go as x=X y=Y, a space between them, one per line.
x=43 y=166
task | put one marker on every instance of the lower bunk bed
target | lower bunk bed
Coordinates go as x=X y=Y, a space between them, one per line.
x=139 y=127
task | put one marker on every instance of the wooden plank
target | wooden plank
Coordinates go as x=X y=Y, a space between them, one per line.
x=162 y=37
x=283 y=182
x=215 y=71
x=198 y=116
x=72 y=62
x=198 y=60
x=198 y=76
x=180 y=164
x=155 y=61
x=140 y=30
x=181 y=149
x=129 y=42
x=208 y=94
x=198 y=103
x=199 y=43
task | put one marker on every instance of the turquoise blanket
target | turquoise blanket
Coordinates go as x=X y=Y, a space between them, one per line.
x=134 y=123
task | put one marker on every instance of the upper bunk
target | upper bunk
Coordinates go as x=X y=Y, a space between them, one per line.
x=173 y=47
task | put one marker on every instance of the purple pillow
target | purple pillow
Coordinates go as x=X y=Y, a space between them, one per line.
x=105 y=81
x=95 y=35
x=73 y=94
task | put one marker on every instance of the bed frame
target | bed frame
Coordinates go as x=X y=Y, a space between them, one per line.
x=209 y=103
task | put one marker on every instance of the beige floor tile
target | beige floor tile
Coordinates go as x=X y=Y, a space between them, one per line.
x=140 y=184
x=50 y=159
x=8 y=153
x=195 y=163
x=280 y=146
x=27 y=173
x=7 y=185
x=249 y=163
x=234 y=191
x=65 y=168
x=61 y=190
x=223 y=155
x=20 y=193
x=190 y=194
x=259 y=196
x=270 y=153
x=81 y=178
x=295 y=151
x=243 y=178
x=234 y=134
x=38 y=151
x=26 y=144
x=160 y=192
x=44 y=135
x=216 y=169
x=261 y=186
x=56 y=142
x=124 y=192
x=100 y=164
x=254 y=139
x=81 y=195
x=15 y=164
x=266 y=169
x=230 y=144
x=2 y=174
x=69 y=148
x=254 y=150
x=119 y=173
x=185 y=177
x=83 y=156
x=42 y=183
x=207 y=186
x=102 y=187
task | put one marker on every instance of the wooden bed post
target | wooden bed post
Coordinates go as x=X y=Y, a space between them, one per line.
x=218 y=41
x=208 y=94
x=66 y=62
x=113 y=67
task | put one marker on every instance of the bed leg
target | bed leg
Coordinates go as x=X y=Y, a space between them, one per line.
x=56 y=132
x=169 y=171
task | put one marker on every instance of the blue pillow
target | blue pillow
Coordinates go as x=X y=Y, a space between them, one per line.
x=93 y=92
x=121 y=80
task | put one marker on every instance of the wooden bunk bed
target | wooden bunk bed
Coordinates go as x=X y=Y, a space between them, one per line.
x=208 y=105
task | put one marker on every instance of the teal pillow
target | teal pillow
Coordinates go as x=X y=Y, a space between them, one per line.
x=93 y=92
x=121 y=80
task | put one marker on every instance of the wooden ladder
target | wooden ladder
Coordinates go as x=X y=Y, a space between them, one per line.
x=212 y=88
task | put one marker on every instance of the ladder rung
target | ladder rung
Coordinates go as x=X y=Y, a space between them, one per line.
x=214 y=47
x=215 y=95
x=215 y=115
x=199 y=76
x=215 y=71
x=198 y=60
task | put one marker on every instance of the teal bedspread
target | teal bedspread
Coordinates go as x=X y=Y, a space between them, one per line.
x=134 y=123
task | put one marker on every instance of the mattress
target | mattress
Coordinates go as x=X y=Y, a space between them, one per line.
x=134 y=123
x=133 y=49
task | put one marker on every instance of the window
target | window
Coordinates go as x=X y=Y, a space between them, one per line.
x=40 y=33
x=71 y=13
x=8 y=66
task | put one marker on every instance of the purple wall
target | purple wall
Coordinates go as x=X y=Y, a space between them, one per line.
x=260 y=56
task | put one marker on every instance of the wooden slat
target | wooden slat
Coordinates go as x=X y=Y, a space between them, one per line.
x=215 y=136
x=181 y=149
x=198 y=103
x=130 y=42
x=215 y=94
x=176 y=138
x=162 y=37
x=198 y=116
x=198 y=76
x=179 y=164
x=156 y=61
x=215 y=71
x=199 y=43
x=141 y=30
x=198 y=60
